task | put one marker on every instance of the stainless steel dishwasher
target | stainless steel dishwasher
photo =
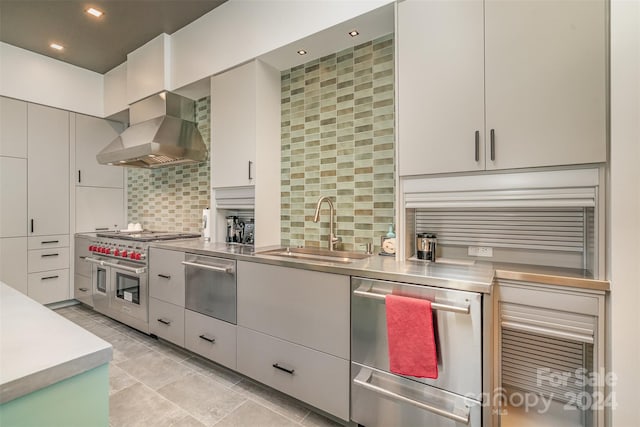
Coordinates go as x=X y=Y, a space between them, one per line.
x=211 y=286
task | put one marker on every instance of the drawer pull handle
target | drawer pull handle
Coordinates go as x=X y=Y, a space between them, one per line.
x=48 y=255
x=434 y=305
x=208 y=267
x=206 y=338
x=164 y=322
x=49 y=277
x=83 y=289
x=164 y=276
x=102 y=228
x=288 y=371
x=48 y=242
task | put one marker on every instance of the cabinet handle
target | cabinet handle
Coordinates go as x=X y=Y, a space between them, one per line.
x=250 y=164
x=79 y=177
x=32 y=225
x=83 y=289
x=164 y=276
x=493 y=144
x=288 y=371
x=164 y=322
x=102 y=228
x=49 y=277
x=48 y=255
x=48 y=242
x=206 y=338
x=477 y=146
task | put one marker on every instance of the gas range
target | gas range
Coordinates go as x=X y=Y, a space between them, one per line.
x=119 y=265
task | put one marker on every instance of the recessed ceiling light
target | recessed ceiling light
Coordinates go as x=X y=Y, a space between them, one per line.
x=56 y=46
x=95 y=12
x=302 y=52
x=353 y=33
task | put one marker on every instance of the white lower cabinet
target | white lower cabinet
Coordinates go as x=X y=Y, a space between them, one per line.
x=13 y=262
x=166 y=321
x=312 y=376
x=211 y=338
x=48 y=259
x=49 y=286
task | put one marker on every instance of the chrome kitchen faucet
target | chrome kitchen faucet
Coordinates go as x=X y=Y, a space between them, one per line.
x=333 y=240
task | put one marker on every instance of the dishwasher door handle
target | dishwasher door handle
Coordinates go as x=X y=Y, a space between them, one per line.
x=434 y=305
x=208 y=267
x=464 y=419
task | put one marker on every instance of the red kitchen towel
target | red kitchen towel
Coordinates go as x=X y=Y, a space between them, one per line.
x=412 y=346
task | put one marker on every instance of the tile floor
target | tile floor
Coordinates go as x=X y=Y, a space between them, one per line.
x=153 y=383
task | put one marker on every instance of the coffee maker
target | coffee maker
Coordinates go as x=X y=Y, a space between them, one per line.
x=235 y=229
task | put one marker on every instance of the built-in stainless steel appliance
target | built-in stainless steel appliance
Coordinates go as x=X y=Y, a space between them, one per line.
x=382 y=398
x=119 y=273
x=211 y=286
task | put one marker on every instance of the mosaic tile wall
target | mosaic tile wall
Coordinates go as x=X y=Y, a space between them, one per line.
x=338 y=140
x=172 y=198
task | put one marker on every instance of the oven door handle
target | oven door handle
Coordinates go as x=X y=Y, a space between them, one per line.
x=434 y=305
x=207 y=267
x=136 y=270
x=464 y=419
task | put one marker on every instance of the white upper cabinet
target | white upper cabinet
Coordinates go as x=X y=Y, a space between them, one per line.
x=500 y=84
x=13 y=128
x=546 y=87
x=148 y=69
x=233 y=128
x=91 y=136
x=441 y=92
x=48 y=171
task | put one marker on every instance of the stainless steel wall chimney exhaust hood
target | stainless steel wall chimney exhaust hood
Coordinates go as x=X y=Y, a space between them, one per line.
x=162 y=133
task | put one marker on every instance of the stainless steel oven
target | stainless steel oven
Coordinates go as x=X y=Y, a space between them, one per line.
x=382 y=398
x=211 y=286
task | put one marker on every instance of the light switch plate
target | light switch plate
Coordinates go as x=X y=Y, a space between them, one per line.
x=482 y=251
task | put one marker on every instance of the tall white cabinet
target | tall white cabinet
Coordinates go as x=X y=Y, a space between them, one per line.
x=501 y=84
x=245 y=147
x=99 y=189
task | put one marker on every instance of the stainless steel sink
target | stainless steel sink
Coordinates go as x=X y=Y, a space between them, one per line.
x=316 y=254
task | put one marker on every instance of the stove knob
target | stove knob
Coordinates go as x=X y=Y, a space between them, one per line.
x=138 y=257
x=133 y=255
x=108 y=251
x=124 y=254
x=116 y=252
x=100 y=249
x=90 y=248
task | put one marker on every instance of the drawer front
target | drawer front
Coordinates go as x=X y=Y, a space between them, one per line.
x=166 y=276
x=306 y=307
x=316 y=378
x=48 y=259
x=82 y=289
x=80 y=266
x=379 y=399
x=49 y=286
x=458 y=335
x=211 y=338
x=47 y=242
x=166 y=321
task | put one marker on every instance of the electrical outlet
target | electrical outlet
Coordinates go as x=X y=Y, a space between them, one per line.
x=482 y=251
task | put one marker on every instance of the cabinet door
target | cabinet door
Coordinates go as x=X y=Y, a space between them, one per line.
x=545 y=82
x=13 y=128
x=99 y=209
x=233 y=115
x=441 y=86
x=13 y=197
x=92 y=135
x=13 y=263
x=166 y=276
x=48 y=170
x=305 y=307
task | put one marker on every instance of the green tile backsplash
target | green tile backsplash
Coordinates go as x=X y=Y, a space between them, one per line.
x=171 y=198
x=338 y=140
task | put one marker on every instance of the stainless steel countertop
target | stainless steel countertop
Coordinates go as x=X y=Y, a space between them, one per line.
x=477 y=277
